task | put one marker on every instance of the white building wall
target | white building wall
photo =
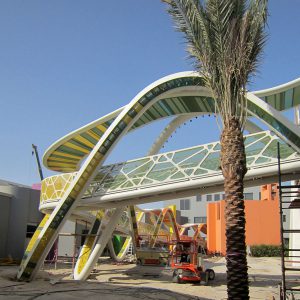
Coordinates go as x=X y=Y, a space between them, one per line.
x=197 y=207
x=294 y=238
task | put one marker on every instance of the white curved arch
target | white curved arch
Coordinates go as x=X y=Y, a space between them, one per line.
x=277 y=89
x=120 y=126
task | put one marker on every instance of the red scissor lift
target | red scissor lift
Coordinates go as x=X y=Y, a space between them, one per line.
x=187 y=263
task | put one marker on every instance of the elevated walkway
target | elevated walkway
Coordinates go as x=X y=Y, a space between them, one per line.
x=174 y=174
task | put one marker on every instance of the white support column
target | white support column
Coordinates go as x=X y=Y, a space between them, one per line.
x=105 y=232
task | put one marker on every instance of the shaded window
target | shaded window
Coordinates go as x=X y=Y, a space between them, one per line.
x=283 y=218
x=208 y=197
x=30 y=230
x=223 y=196
x=217 y=197
x=185 y=204
x=248 y=196
x=200 y=219
x=198 y=198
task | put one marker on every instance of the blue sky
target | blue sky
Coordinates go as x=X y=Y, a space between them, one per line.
x=65 y=63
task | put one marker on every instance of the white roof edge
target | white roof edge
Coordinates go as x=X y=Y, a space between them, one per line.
x=278 y=89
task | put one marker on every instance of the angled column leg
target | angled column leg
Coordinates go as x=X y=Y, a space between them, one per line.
x=93 y=248
x=121 y=255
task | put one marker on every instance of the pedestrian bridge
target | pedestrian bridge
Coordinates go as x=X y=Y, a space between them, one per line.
x=174 y=174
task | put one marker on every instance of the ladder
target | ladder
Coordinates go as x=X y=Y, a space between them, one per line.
x=289 y=198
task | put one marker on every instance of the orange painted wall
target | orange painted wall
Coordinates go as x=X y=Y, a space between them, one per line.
x=262 y=221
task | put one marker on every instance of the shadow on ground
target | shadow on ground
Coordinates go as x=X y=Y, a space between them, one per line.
x=44 y=288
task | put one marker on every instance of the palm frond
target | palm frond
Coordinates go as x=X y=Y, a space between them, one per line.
x=225 y=38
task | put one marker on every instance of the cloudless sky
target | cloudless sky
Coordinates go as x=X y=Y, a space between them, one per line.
x=65 y=63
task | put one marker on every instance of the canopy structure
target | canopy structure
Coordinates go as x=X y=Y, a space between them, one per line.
x=93 y=187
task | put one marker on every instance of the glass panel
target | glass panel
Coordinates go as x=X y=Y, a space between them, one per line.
x=285 y=150
x=188 y=171
x=177 y=175
x=162 y=158
x=142 y=170
x=261 y=160
x=212 y=162
x=256 y=148
x=181 y=155
x=251 y=139
x=249 y=160
x=200 y=172
x=217 y=147
x=194 y=160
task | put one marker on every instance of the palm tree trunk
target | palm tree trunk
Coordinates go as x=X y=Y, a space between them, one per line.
x=233 y=164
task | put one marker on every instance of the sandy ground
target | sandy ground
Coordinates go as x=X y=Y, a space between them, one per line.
x=128 y=281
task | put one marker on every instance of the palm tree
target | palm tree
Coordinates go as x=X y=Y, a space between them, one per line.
x=225 y=39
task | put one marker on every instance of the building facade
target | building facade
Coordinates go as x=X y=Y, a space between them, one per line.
x=195 y=208
x=19 y=217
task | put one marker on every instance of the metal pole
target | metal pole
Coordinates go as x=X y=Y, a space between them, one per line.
x=38 y=161
x=283 y=287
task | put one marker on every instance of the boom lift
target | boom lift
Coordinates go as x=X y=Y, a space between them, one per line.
x=187 y=263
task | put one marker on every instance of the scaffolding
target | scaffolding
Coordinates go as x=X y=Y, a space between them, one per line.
x=289 y=198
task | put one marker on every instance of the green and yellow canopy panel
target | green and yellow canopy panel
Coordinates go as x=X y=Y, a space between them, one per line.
x=180 y=94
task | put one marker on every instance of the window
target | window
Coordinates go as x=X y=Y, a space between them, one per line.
x=200 y=219
x=283 y=218
x=248 y=196
x=208 y=197
x=217 y=197
x=30 y=230
x=198 y=198
x=185 y=204
x=223 y=196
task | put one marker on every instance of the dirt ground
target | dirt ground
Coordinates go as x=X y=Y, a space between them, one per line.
x=128 y=281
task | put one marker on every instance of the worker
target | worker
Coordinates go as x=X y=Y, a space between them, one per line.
x=184 y=256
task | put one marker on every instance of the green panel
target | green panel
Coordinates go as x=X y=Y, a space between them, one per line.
x=288 y=98
x=177 y=175
x=89 y=138
x=271 y=100
x=200 y=172
x=194 y=160
x=261 y=160
x=181 y=155
x=296 y=96
x=188 y=172
x=250 y=139
x=68 y=150
x=250 y=160
x=130 y=166
x=162 y=159
x=257 y=147
x=285 y=150
x=274 y=123
x=212 y=162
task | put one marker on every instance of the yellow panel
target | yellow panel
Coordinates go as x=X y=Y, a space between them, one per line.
x=127 y=119
x=66 y=155
x=102 y=128
x=72 y=146
x=84 y=141
x=93 y=135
